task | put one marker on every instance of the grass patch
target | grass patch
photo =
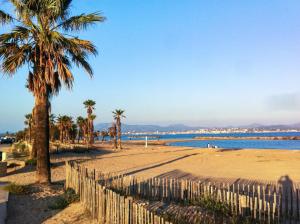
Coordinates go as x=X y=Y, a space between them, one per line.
x=213 y=205
x=59 y=203
x=30 y=162
x=14 y=188
x=62 y=201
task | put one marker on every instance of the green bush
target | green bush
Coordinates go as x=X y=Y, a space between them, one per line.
x=20 y=149
x=30 y=162
x=71 y=196
x=213 y=205
x=14 y=188
x=59 y=203
x=62 y=201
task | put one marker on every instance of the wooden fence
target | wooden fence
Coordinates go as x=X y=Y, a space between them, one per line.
x=105 y=205
x=264 y=203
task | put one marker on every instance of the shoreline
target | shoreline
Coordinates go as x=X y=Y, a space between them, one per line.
x=249 y=138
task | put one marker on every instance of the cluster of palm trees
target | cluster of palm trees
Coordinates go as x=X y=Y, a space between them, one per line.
x=65 y=129
x=42 y=36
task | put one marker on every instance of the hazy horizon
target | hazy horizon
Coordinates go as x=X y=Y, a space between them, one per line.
x=192 y=62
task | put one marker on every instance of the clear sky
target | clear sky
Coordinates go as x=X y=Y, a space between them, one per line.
x=173 y=61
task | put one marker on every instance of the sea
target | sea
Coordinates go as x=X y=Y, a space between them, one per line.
x=232 y=144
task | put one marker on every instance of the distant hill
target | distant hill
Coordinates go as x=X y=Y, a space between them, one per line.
x=147 y=128
x=276 y=126
x=182 y=127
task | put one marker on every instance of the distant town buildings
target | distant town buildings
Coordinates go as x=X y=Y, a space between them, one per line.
x=214 y=131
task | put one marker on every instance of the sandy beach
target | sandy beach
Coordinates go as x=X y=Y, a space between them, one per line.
x=214 y=165
x=244 y=165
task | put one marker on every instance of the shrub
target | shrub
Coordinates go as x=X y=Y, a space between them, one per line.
x=213 y=205
x=59 y=203
x=62 y=201
x=30 y=162
x=71 y=196
x=14 y=188
x=20 y=149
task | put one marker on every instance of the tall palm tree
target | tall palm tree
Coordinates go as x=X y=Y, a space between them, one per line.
x=66 y=128
x=93 y=117
x=41 y=37
x=104 y=134
x=80 y=123
x=28 y=121
x=118 y=114
x=90 y=107
x=85 y=129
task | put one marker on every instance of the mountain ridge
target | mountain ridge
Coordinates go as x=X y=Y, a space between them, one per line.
x=182 y=127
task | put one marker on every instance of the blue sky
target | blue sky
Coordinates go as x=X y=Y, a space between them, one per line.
x=172 y=61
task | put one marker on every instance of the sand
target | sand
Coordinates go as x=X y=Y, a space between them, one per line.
x=245 y=165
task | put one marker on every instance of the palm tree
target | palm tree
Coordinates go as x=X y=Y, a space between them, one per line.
x=90 y=106
x=113 y=134
x=29 y=122
x=60 y=124
x=80 y=123
x=66 y=128
x=41 y=37
x=118 y=114
x=85 y=129
x=73 y=132
x=93 y=117
x=104 y=134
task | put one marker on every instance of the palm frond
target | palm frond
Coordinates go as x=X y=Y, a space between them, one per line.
x=80 y=61
x=17 y=34
x=5 y=17
x=13 y=62
x=81 y=22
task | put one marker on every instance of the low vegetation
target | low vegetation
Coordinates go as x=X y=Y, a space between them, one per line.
x=20 y=149
x=62 y=201
x=18 y=189
x=212 y=205
x=30 y=162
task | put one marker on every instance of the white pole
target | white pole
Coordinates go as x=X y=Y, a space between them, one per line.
x=146 y=142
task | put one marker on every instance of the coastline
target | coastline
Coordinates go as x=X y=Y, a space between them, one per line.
x=249 y=138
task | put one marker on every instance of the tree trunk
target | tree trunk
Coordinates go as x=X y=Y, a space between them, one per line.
x=29 y=127
x=43 y=173
x=119 y=134
x=115 y=142
x=92 y=132
x=33 y=154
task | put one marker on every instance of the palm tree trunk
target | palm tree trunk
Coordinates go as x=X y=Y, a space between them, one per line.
x=115 y=142
x=33 y=154
x=61 y=135
x=92 y=132
x=78 y=137
x=43 y=173
x=29 y=133
x=119 y=134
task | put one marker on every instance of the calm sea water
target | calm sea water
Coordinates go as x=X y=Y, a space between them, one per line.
x=236 y=144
